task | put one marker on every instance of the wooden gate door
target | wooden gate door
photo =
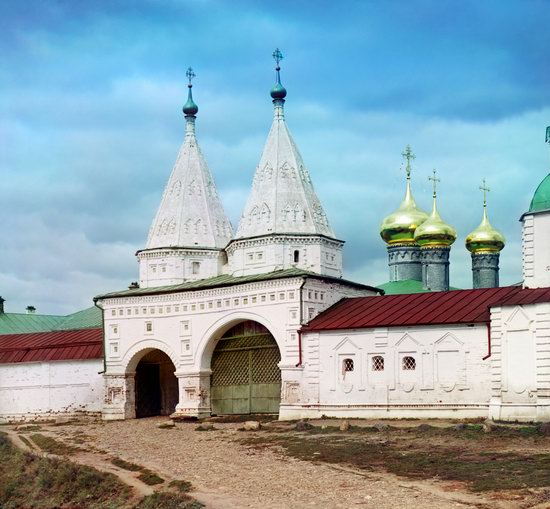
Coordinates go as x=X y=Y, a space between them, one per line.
x=246 y=378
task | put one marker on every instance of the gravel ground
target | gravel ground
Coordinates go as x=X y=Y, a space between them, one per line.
x=229 y=475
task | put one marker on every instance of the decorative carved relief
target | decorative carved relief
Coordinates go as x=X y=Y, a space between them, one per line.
x=194 y=188
x=287 y=172
x=319 y=216
x=304 y=174
x=175 y=190
x=294 y=213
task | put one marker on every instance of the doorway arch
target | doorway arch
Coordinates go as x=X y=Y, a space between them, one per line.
x=246 y=378
x=156 y=385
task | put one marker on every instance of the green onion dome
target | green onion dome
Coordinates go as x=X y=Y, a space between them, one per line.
x=190 y=108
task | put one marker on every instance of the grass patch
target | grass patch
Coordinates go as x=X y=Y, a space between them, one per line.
x=27 y=428
x=126 y=465
x=27 y=480
x=51 y=445
x=409 y=454
x=181 y=486
x=26 y=441
x=149 y=477
x=168 y=501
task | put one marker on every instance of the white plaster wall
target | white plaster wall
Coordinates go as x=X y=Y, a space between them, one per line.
x=536 y=250
x=168 y=267
x=451 y=378
x=266 y=254
x=37 y=390
x=520 y=382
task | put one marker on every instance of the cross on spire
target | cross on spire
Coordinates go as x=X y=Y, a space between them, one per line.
x=190 y=75
x=408 y=155
x=277 y=56
x=435 y=181
x=483 y=187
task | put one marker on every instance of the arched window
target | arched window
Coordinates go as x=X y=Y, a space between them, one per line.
x=408 y=363
x=377 y=363
x=296 y=256
x=347 y=365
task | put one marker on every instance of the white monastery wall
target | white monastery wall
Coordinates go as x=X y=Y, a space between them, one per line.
x=369 y=373
x=35 y=390
x=536 y=250
x=520 y=361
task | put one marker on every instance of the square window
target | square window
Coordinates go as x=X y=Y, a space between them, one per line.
x=272 y=297
x=160 y=311
x=185 y=308
x=291 y=295
x=152 y=311
x=177 y=309
x=210 y=305
x=219 y=303
x=263 y=298
x=281 y=296
x=121 y=312
x=113 y=312
x=227 y=302
x=168 y=309
x=195 y=267
x=245 y=301
x=235 y=302
x=310 y=313
x=259 y=256
x=136 y=311
x=193 y=307
x=148 y=326
x=254 y=299
x=202 y=305
x=144 y=311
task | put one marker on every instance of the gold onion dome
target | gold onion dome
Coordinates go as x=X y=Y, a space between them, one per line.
x=399 y=226
x=434 y=232
x=485 y=238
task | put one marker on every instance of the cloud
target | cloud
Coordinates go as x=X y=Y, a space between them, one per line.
x=91 y=95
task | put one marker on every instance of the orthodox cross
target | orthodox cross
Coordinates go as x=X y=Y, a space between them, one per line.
x=408 y=155
x=190 y=75
x=277 y=56
x=435 y=180
x=483 y=187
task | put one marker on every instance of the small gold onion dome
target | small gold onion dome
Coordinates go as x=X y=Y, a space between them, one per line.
x=485 y=239
x=399 y=226
x=434 y=232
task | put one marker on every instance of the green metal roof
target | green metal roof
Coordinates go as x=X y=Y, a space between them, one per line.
x=404 y=287
x=89 y=318
x=541 y=198
x=227 y=280
x=21 y=323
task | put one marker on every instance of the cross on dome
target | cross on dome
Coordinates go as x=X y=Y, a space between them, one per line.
x=190 y=75
x=409 y=156
x=483 y=187
x=277 y=56
x=435 y=181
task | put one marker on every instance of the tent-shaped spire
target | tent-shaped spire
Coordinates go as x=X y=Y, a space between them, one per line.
x=190 y=213
x=282 y=199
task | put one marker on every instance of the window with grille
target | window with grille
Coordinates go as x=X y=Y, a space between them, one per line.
x=377 y=363
x=347 y=365
x=408 y=363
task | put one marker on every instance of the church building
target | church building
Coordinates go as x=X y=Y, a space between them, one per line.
x=260 y=319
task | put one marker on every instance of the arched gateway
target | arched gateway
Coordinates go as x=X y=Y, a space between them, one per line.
x=156 y=386
x=246 y=378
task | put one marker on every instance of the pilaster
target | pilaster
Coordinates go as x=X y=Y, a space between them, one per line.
x=194 y=394
x=119 y=402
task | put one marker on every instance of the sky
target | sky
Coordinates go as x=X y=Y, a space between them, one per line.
x=91 y=123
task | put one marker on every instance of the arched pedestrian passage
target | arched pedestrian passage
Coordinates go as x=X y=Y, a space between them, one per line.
x=156 y=385
x=246 y=378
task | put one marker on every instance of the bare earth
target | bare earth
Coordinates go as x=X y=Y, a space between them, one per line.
x=227 y=474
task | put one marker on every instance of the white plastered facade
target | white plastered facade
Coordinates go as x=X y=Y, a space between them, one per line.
x=45 y=390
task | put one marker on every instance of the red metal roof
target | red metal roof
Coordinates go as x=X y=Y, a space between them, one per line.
x=51 y=346
x=432 y=308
